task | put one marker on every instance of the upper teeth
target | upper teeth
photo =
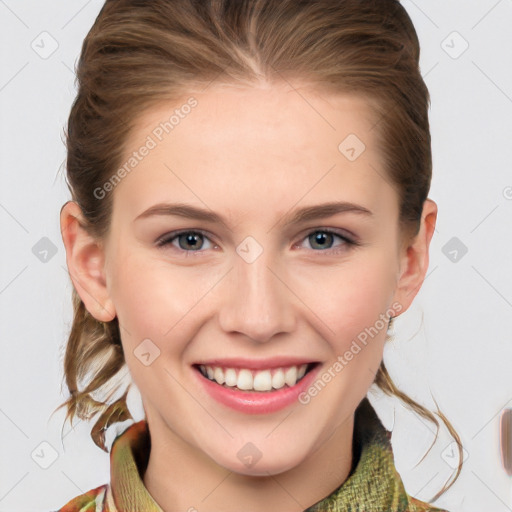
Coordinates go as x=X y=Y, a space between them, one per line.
x=263 y=380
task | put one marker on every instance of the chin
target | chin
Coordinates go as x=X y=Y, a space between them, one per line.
x=263 y=467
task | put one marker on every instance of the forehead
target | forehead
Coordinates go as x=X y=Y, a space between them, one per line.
x=255 y=145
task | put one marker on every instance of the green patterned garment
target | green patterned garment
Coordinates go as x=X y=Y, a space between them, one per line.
x=373 y=485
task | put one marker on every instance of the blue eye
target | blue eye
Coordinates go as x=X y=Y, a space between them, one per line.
x=188 y=241
x=323 y=236
x=193 y=240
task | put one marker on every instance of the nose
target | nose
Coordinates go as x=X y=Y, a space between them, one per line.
x=258 y=303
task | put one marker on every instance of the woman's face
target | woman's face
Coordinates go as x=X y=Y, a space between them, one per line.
x=263 y=283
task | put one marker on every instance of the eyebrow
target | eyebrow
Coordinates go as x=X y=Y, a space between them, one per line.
x=298 y=216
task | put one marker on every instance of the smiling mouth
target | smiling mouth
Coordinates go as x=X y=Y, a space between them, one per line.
x=267 y=380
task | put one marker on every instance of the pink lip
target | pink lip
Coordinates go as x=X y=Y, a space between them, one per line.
x=255 y=364
x=255 y=402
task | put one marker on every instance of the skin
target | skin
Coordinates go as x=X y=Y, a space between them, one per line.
x=252 y=155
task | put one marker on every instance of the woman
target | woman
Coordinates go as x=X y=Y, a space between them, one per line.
x=213 y=148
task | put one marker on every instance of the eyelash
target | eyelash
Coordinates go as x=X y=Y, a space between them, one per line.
x=167 y=239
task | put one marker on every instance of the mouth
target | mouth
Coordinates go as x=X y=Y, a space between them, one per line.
x=265 y=380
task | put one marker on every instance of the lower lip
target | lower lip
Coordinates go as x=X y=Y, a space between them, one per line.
x=258 y=402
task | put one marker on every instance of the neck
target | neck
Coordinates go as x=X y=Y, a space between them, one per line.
x=181 y=477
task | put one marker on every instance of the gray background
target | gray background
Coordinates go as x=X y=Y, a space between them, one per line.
x=454 y=344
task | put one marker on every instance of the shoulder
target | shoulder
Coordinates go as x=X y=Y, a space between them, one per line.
x=91 y=501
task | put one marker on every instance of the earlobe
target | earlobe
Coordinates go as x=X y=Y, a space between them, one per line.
x=415 y=257
x=85 y=259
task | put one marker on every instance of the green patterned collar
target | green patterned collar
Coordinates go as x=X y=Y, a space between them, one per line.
x=373 y=485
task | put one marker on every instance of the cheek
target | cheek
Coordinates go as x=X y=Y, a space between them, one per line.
x=151 y=298
x=354 y=299
x=158 y=301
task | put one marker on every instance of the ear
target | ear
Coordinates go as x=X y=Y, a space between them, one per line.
x=85 y=260
x=415 y=258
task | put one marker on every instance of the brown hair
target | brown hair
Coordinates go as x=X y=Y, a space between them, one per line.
x=140 y=53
